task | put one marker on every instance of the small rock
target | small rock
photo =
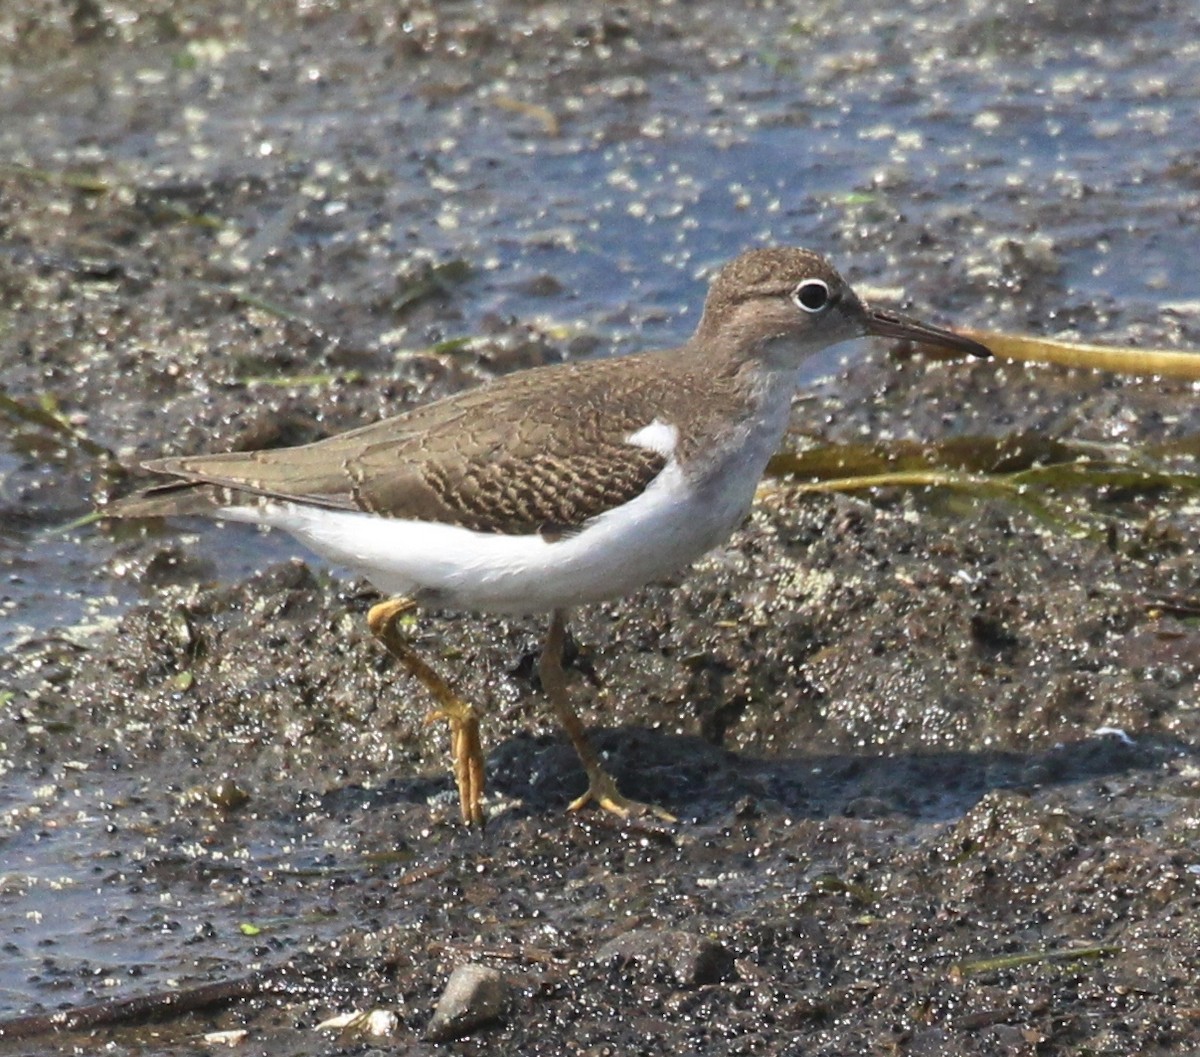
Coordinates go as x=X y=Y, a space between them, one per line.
x=693 y=960
x=474 y=995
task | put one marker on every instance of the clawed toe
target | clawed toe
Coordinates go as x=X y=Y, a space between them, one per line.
x=466 y=751
x=603 y=792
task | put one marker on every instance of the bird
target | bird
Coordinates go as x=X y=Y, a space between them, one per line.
x=552 y=487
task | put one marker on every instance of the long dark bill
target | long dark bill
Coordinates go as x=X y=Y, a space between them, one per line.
x=890 y=325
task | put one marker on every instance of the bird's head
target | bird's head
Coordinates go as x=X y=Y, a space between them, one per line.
x=785 y=305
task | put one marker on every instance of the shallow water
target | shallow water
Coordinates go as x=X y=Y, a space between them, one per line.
x=1005 y=167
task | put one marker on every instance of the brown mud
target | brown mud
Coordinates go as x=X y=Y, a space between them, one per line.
x=935 y=760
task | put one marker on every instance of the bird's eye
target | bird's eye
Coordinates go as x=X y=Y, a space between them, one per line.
x=812 y=295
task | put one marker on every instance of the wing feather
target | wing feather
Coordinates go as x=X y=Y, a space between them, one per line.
x=551 y=469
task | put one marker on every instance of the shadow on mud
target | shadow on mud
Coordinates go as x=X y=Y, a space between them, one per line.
x=700 y=782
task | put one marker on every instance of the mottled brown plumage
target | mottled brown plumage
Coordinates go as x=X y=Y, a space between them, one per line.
x=552 y=487
x=543 y=450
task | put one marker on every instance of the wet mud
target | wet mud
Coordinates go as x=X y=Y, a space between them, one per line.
x=934 y=757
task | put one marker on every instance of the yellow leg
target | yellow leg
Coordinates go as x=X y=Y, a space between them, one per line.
x=602 y=789
x=466 y=749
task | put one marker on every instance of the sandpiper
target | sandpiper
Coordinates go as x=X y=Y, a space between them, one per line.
x=552 y=487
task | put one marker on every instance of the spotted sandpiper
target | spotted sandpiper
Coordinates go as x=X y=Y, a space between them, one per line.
x=552 y=487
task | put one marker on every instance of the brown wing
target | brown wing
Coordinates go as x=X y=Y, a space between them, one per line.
x=548 y=467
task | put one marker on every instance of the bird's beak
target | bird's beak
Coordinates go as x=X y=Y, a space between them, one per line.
x=885 y=324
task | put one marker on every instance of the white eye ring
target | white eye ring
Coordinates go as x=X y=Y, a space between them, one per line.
x=812 y=296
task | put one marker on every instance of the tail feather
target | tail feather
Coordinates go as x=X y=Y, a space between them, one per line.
x=174 y=499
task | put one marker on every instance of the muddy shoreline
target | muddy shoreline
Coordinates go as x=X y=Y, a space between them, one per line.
x=934 y=756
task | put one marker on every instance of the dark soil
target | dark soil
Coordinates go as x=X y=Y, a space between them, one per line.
x=934 y=759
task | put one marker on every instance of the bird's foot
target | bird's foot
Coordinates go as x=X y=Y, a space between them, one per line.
x=603 y=792
x=466 y=748
x=466 y=751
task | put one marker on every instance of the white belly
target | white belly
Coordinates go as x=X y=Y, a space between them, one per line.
x=676 y=520
x=664 y=529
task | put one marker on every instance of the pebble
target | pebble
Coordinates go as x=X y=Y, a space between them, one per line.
x=474 y=995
